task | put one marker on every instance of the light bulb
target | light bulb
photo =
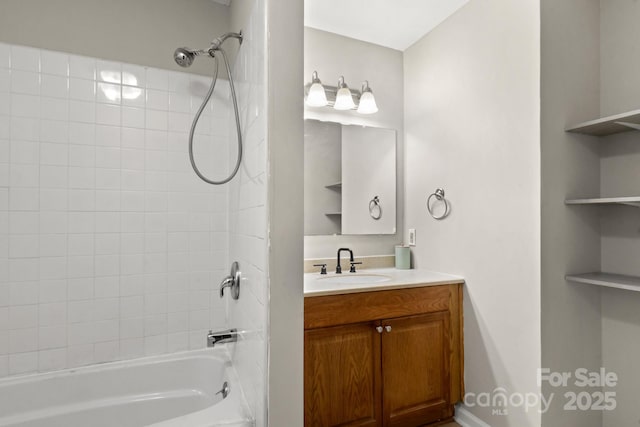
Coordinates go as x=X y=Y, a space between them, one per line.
x=367 y=100
x=316 y=96
x=344 y=101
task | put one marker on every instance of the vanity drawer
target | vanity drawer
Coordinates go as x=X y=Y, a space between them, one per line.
x=343 y=309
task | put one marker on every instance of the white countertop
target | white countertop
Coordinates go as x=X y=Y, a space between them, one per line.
x=316 y=284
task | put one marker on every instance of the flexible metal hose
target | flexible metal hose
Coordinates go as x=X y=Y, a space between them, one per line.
x=201 y=109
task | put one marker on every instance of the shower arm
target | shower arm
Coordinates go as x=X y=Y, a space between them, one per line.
x=217 y=42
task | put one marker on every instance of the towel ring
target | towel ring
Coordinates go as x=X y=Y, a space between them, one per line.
x=439 y=195
x=373 y=204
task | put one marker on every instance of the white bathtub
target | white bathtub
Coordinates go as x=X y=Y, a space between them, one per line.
x=177 y=390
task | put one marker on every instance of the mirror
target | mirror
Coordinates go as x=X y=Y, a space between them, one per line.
x=349 y=179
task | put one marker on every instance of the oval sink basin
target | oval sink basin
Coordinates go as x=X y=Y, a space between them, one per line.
x=355 y=279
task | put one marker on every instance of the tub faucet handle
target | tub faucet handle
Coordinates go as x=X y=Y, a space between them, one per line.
x=232 y=281
x=224 y=391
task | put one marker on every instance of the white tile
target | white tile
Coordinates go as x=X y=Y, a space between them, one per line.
x=133 y=180
x=82 y=67
x=54 y=268
x=82 y=133
x=80 y=267
x=133 y=96
x=25 y=105
x=180 y=102
x=54 y=86
x=23 y=363
x=80 y=333
x=53 y=222
x=133 y=117
x=108 y=157
x=108 y=179
x=132 y=243
x=52 y=337
x=81 y=177
x=107 y=200
x=22 y=222
x=23 y=246
x=107 y=222
x=107 y=287
x=54 y=63
x=155 y=161
x=157 y=100
x=132 y=138
x=53 y=176
x=54 y=109
x=107 y=243
x=109 y=71
x=132 y=306
x=82 y=111
x=82 y=155
x=131 y=327
x=5 y=127
x=108 y=136
x=107 y=265
x=25 y=58
x=82 y=200
x=23 y=317
x=155 y=345
x=82 y=90
x=131 y=348
x=106 y=330
x=54 y=131
x=105 y=309
x=133 y=75
x=52 y=360
x=157 y=79
x=108 y=114
x=81 y=222
x=179 y=82
x=54 y=154
x=79 y=289
x=106 y=351
x=109 y=93
x=79 y=355
x=5 y=81
x=24 y=199
x=157 y=120
x=5 y=151
x=53 y=245
x=178 y=342
x=26 y=82
x=24 y=175
x=133 y=160
x=23 y=293
x=51 y=291
x=52 y=314
x=81 y=244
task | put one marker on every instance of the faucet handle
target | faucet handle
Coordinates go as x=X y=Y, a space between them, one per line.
x=323 y=268
x=353 y=266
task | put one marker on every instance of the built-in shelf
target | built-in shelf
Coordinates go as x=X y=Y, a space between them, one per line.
x=609 y=125
x=618 y=281
x=333 y=213
x=630 y=201
x=336 y=186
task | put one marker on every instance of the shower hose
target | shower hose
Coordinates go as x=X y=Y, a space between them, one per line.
x=201 y=109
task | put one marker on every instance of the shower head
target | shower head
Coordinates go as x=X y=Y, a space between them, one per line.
x=184 y=56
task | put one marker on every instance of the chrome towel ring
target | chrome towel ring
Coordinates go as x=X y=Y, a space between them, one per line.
x=439 y=195
x=375 y=210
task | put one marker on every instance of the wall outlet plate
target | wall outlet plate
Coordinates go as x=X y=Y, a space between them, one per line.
x=412 y=237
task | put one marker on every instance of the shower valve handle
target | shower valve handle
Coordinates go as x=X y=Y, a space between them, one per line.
x=232 y=281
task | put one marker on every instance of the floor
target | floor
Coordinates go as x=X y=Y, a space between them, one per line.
x=451 y=425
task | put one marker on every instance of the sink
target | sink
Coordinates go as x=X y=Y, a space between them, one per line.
x=355 y=279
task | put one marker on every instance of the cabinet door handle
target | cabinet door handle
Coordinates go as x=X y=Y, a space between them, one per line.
x=387 y=328
x=379 y=329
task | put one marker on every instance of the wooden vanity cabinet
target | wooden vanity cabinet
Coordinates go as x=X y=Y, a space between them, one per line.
x=383 y=358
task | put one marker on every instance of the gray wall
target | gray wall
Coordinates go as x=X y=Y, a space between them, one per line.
x=620 y=175
x=472 y=127
x=332 y=56
x=144 y=32
x=570 y=168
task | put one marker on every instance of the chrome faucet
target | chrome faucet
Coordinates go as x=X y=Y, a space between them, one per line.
x=221 y=337
x=338 y=267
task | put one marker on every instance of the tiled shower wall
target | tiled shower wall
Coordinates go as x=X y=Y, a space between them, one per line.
x=248 y=224
x=110 y=247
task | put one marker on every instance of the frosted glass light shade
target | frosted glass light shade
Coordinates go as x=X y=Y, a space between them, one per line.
x=367 y=104
x=317 y=96
x=344 y=101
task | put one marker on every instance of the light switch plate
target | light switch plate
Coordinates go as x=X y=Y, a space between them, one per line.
x=412 y=237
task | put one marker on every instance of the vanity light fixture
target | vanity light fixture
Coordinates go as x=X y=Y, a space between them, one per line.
x=344 y=100
x=316 y=97
x=340 y=97
x=367 y=100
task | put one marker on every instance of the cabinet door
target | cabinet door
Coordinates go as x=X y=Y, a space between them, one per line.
x=342 y=379
x=415 y=366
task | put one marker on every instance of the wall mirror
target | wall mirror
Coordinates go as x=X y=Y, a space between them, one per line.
x=349 y=179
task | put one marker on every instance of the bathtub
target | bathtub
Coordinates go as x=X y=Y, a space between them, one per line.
x=177 y=390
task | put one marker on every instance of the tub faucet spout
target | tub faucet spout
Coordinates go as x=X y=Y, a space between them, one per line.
x=213 y=338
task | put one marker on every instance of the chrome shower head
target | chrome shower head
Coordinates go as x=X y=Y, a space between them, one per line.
x=184 y=56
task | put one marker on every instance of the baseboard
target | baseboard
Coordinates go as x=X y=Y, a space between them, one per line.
x=467 y=419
